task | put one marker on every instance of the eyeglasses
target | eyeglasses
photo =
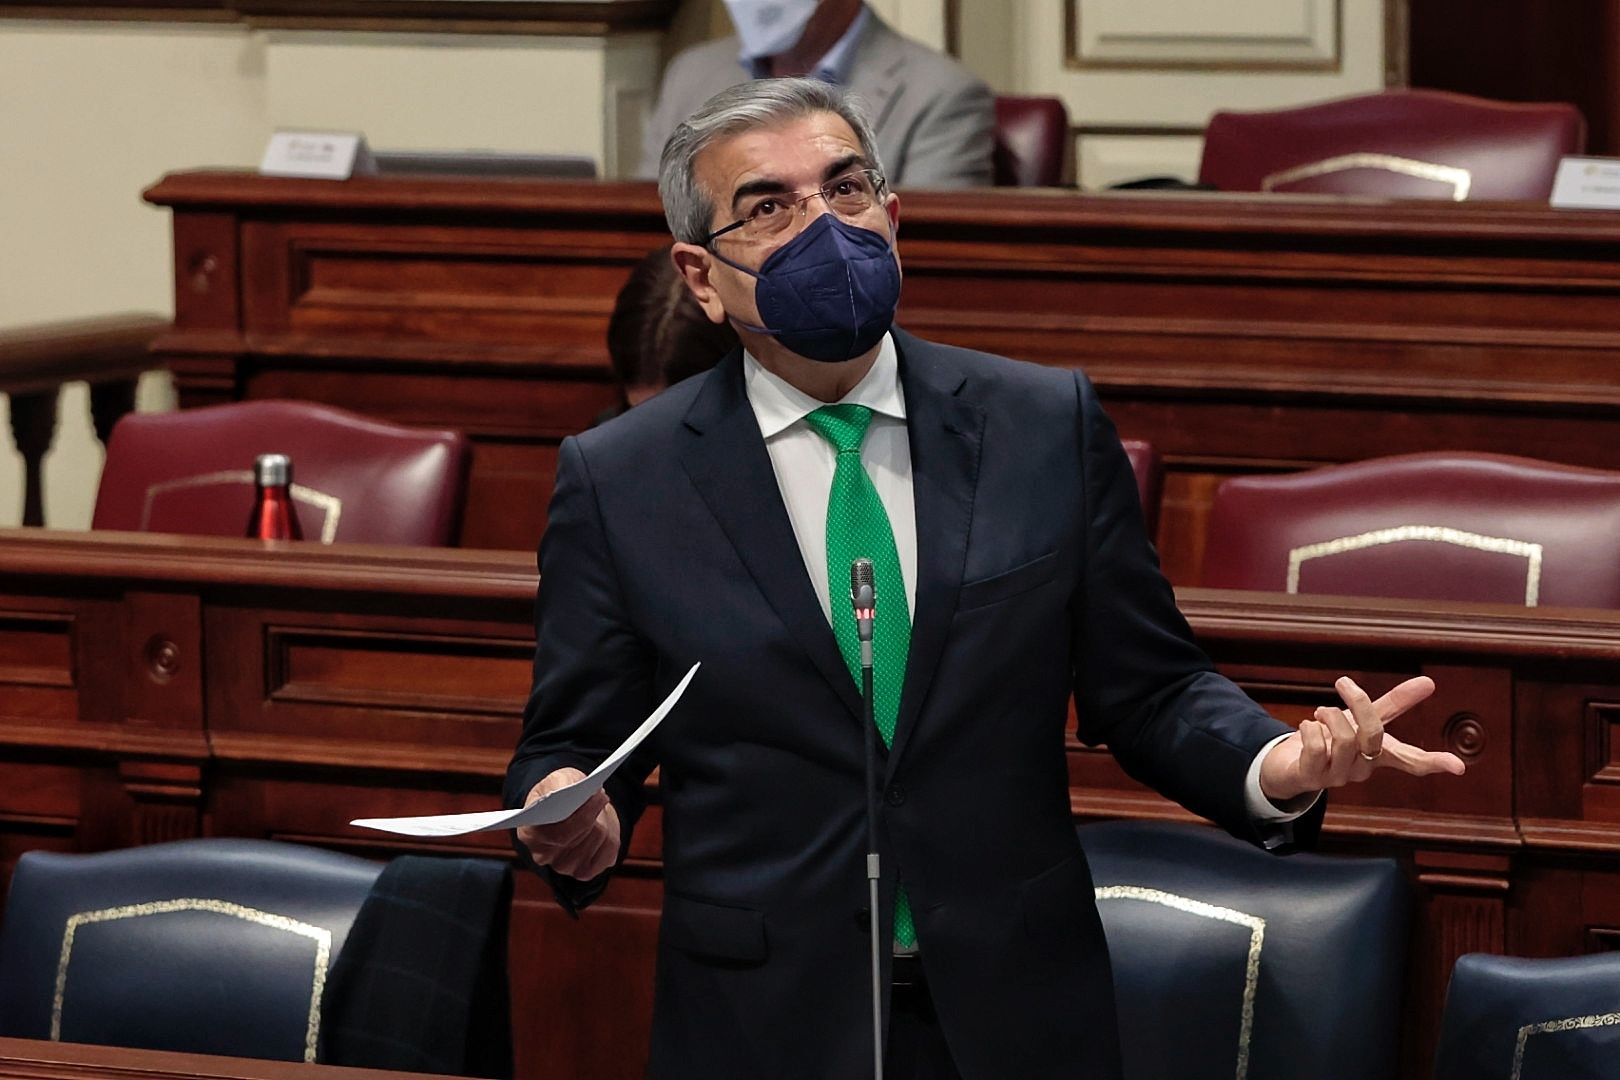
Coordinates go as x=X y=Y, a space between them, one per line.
x=767 y=216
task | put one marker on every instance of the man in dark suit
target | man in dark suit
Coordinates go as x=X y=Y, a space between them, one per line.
x=714 y=523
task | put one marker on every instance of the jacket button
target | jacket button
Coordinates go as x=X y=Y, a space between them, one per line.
x=895 y=796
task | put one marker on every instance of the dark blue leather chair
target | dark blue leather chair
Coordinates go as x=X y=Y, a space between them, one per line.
x=252 y=948
x=1231 y=962
x=206 y=946
x=1509 y=1018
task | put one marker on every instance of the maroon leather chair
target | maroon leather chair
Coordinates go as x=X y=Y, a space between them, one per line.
x=1418 y=144
x=1149 y=472
x=1032 y=142
x=354 y=479
x=1434 y=526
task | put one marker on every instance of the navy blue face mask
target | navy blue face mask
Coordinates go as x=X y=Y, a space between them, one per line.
x=828 y=294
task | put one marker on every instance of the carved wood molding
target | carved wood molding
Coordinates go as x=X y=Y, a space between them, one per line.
x=572 y=18
x=1473 y=629
x=125 y=558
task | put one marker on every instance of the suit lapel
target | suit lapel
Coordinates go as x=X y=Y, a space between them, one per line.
x=945 y=432
x=876 y=71
x=726 y=456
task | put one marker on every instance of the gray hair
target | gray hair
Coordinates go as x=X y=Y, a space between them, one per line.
x=747 y=106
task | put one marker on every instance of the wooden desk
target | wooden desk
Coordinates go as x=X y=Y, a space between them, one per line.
x=109 y=353
x=1237 y=333
x=28 y=1059
x=154 y=687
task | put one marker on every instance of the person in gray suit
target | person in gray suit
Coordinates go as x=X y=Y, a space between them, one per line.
x=933 y=118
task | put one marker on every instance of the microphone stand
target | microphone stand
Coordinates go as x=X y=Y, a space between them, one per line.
x=863 y=596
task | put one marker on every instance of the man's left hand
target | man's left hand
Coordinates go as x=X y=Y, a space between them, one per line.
x=1345 y=746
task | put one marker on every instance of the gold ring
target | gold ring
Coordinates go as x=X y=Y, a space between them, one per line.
x=1372 y=757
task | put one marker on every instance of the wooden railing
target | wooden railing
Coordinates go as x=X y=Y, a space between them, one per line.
x=109 y=352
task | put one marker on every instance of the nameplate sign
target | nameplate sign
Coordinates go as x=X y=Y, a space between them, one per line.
x=1587 y=183
x=317 y=155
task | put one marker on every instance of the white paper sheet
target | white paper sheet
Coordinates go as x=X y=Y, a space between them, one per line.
x=545 y=811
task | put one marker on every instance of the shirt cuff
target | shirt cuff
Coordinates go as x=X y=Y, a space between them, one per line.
x=1262 y=809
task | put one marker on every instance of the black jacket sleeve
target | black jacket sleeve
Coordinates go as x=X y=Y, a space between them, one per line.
x=1142 y=685
x=593 y=674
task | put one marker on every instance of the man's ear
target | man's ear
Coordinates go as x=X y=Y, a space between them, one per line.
x=693 y=263
x=891 y=206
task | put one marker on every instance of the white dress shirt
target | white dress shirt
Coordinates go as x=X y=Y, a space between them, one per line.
x=804 y=463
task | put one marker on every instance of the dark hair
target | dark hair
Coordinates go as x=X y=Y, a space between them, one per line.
x=657 y=334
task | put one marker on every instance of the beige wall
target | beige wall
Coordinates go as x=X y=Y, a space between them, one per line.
x=93 y=112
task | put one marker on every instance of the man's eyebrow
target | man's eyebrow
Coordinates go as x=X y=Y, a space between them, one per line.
x=765 y=185
x=770 y=186
x=844 y=165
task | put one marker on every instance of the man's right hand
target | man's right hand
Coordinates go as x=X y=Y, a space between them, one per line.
x=583 y=844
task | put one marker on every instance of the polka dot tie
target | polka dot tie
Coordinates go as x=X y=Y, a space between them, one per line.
x=858 y=528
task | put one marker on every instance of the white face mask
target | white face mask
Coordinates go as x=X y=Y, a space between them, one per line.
x=769 y=27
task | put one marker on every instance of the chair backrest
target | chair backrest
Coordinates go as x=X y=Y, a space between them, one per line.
x=1149 y=471
x=1508 y=1018
x=1032 y=142
x=1430 y=526
x=1423 y=144
x=354 y=478
x=1229 y=962
x=204 y=946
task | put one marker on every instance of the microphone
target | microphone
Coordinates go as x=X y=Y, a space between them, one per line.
x=863 y=598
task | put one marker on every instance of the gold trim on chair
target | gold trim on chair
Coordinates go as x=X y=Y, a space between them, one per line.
x=1572 y=1023
x=330 y=506
x=1460 y=179
x=321 y=937
x=1439 y=534
x=1251 y=970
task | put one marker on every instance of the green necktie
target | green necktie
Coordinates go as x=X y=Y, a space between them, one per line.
x=858 y=528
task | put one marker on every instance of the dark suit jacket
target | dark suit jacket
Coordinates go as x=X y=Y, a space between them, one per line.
x=668 y=543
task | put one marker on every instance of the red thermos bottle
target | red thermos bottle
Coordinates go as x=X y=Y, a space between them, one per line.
x=274 y=517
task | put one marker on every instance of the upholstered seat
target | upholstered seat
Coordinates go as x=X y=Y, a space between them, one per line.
x=253 y=948
x=1420 y=144
x=218 y=947
x=354 y=479
x=1032 y=142
x=1508 y=1018
x=1425 y=526
x=1231 y=962
x=1149 y=471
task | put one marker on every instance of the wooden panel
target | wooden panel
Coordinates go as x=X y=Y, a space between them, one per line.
x=576 y=17
x=1527 y=50
x=347 y=681
x=36 y=650
x=393 y=670
x=1237 y=333
x=28 y=1059
x=1160 y=35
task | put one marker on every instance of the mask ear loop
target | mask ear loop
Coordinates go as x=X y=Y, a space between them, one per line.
x=732 y=318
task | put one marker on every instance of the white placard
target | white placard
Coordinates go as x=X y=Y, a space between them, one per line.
x=317 y=155
x=1587 y=183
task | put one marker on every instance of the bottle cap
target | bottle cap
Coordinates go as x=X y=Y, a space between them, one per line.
x=272 y=470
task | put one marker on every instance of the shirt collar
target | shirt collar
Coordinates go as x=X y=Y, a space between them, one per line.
x=779 y=405
x=832 y=67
